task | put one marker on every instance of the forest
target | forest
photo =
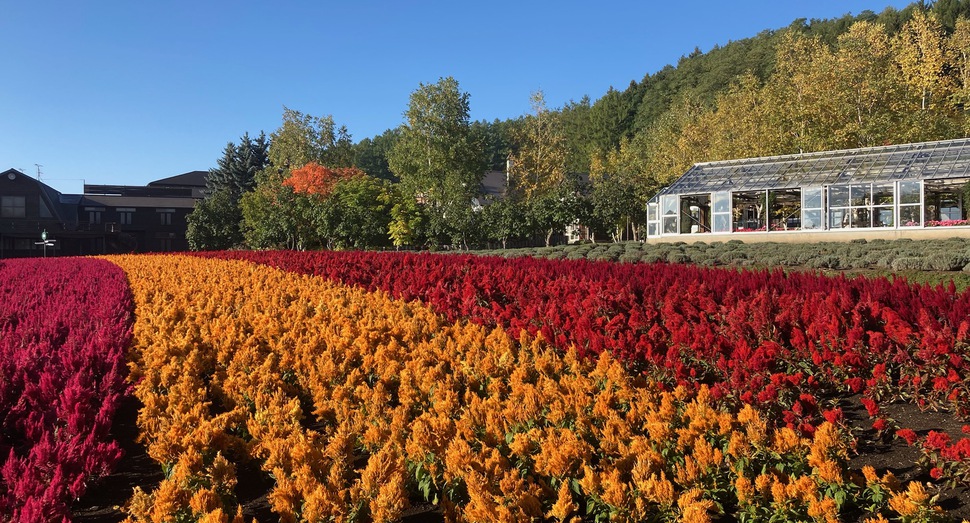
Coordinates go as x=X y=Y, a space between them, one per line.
x=870 y=79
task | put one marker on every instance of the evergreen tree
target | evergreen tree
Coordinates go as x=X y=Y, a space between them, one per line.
x=236 y=171
x=214 y=223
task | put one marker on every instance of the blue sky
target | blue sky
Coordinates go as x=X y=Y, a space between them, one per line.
x=125 y=92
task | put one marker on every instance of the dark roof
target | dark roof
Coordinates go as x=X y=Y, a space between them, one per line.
x=137 y=201
x=189 y=179
x=915 y=161
x=494 y=184
x=62 y=210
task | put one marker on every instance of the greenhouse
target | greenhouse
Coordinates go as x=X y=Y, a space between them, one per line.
x=897 y=187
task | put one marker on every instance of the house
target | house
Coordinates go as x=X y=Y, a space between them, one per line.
x=896 y=191
x=29 y=207
x=149 y=218
x=105 y=219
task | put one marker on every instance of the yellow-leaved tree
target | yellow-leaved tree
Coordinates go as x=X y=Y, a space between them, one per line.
x=539 y=164
x=922 y=57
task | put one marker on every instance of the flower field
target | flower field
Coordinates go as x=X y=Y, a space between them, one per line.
x=368 y=387
x=762 y=337
x=359 y=402
x=64 y=328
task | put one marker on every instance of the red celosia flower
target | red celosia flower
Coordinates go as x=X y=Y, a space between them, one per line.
x=871 y=407
x=907 y=434
x=960 y=451
x=936 y=472
x=937 y=440
x=854 y=384
x=833 y=415
x=880 y=424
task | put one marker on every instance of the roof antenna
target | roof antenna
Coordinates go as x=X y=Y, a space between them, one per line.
x=38 y=170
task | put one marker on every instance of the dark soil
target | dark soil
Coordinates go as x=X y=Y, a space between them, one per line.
x=888 y=453
x=103 y=502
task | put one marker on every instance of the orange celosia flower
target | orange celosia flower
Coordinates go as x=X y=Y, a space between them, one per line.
x=614 y=489
x=786 y=440
x=824 y=509
x=693 y=508
x=870 y=474
x=803 y=488
x=738 y=446
x=564 y=506
x=745 y=490
x=658 y=489
x=830 y=472
x=204 y=501
x=763 y=483
x=911 y=501
x=779 y=492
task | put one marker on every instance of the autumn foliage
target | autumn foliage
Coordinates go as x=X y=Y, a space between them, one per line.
x=64 y=326
x=317 y=180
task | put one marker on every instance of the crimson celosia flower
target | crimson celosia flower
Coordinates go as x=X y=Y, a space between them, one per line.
x=854 y=384
x=937 y=440
x=833 y=415
x=908 y=434
x=960 y=451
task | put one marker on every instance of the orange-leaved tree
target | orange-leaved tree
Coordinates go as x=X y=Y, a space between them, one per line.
x=318 y=180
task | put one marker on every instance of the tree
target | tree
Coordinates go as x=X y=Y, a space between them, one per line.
x=408 y=223
x=539 y=165
x=959 y=46
x=574 y=118
x=922 y=57
x=273 y=214
x=617 y=199
x=371 y=154
x=315 y=179
x=356 y=214
x=437 y=162
x=503 y=220
x=237 y=169
x=275 y=217
x=303 y=138
x=612 y=118
x=553 y=210
x=496 y=140
x=215 y=221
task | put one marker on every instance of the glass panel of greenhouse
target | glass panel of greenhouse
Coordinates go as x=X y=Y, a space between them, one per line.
x=890 y=187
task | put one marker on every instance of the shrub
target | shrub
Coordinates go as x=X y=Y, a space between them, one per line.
x=909 y=263
x=945 y=261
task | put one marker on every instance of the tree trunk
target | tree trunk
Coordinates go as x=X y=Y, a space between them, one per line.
x=549 y=237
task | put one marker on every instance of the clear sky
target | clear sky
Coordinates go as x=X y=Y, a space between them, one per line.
x=129 y=91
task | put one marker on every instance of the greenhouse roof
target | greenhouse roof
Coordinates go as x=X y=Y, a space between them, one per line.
x=915 y=161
